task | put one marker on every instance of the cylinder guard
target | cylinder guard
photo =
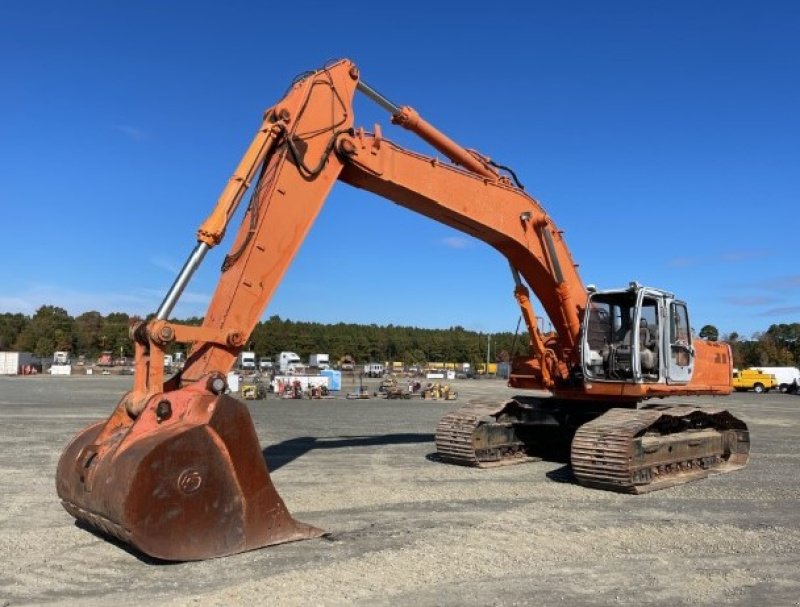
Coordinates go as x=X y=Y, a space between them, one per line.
x=191 y=486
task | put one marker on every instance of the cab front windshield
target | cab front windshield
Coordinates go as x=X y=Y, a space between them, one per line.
x=612 y=324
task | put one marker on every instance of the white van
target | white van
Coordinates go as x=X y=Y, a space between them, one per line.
x=788 y=377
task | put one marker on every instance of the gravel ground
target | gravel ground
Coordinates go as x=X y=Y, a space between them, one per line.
x=406 y=529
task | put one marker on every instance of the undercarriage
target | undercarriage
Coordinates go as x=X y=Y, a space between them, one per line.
x=625 y=450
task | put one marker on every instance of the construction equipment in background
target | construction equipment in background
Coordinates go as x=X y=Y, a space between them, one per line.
x=317 y=392
x=253 y=391
x=397 y=393
x=359 y=394
x=106 y=359
x=347 y=363
x=392 y=390
x=439 y=391
x=292 y=389
x=387 y=383
x=177 y=471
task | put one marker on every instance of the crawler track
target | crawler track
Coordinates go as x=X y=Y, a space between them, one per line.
x=637 y=451
x=623 y=450
x=474 y=436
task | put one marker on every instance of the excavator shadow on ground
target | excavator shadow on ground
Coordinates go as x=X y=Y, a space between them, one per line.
x=287 y=451
x=550 y=447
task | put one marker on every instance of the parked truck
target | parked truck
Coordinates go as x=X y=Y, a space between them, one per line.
x=289 y=362
x=320 y=361
x=60 y=358
x=755 y=380
x=247 y=361
x=61 y=364
x=788 y=378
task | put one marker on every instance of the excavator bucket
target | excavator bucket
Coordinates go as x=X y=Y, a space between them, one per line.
x=186 y=480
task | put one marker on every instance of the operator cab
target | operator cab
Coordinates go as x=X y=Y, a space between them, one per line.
x=636 y=335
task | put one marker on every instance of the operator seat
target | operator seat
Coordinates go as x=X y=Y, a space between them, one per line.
x=647 y=348
x=645 y=338
x=648 y=356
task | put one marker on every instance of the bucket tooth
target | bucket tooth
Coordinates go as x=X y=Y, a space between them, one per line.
x=189 y=487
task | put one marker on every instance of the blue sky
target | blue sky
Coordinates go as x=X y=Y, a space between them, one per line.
x=663 y=137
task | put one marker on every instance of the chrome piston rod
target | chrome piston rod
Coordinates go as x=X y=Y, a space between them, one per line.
x=185 y=275
x=515 y=274
x=377 y=97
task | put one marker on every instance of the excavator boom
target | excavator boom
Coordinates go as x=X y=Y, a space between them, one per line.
x=177 y=471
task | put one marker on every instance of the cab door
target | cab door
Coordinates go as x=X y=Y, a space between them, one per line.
x=680 y=355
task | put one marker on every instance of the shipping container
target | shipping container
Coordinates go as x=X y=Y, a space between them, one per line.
x=12 y=363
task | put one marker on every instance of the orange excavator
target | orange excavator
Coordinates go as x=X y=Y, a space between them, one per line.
x=177 y=471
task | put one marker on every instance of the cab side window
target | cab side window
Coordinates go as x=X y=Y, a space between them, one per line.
x=679 y=334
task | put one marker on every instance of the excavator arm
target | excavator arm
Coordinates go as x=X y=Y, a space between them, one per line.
x=307 y=142
x=177 y=470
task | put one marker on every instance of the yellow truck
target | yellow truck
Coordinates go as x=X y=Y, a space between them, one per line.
x=753 y=379
x=480 y=369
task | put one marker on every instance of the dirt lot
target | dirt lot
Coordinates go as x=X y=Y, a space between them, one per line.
x=405 y=529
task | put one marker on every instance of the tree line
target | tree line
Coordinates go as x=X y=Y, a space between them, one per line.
x=51 y=329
